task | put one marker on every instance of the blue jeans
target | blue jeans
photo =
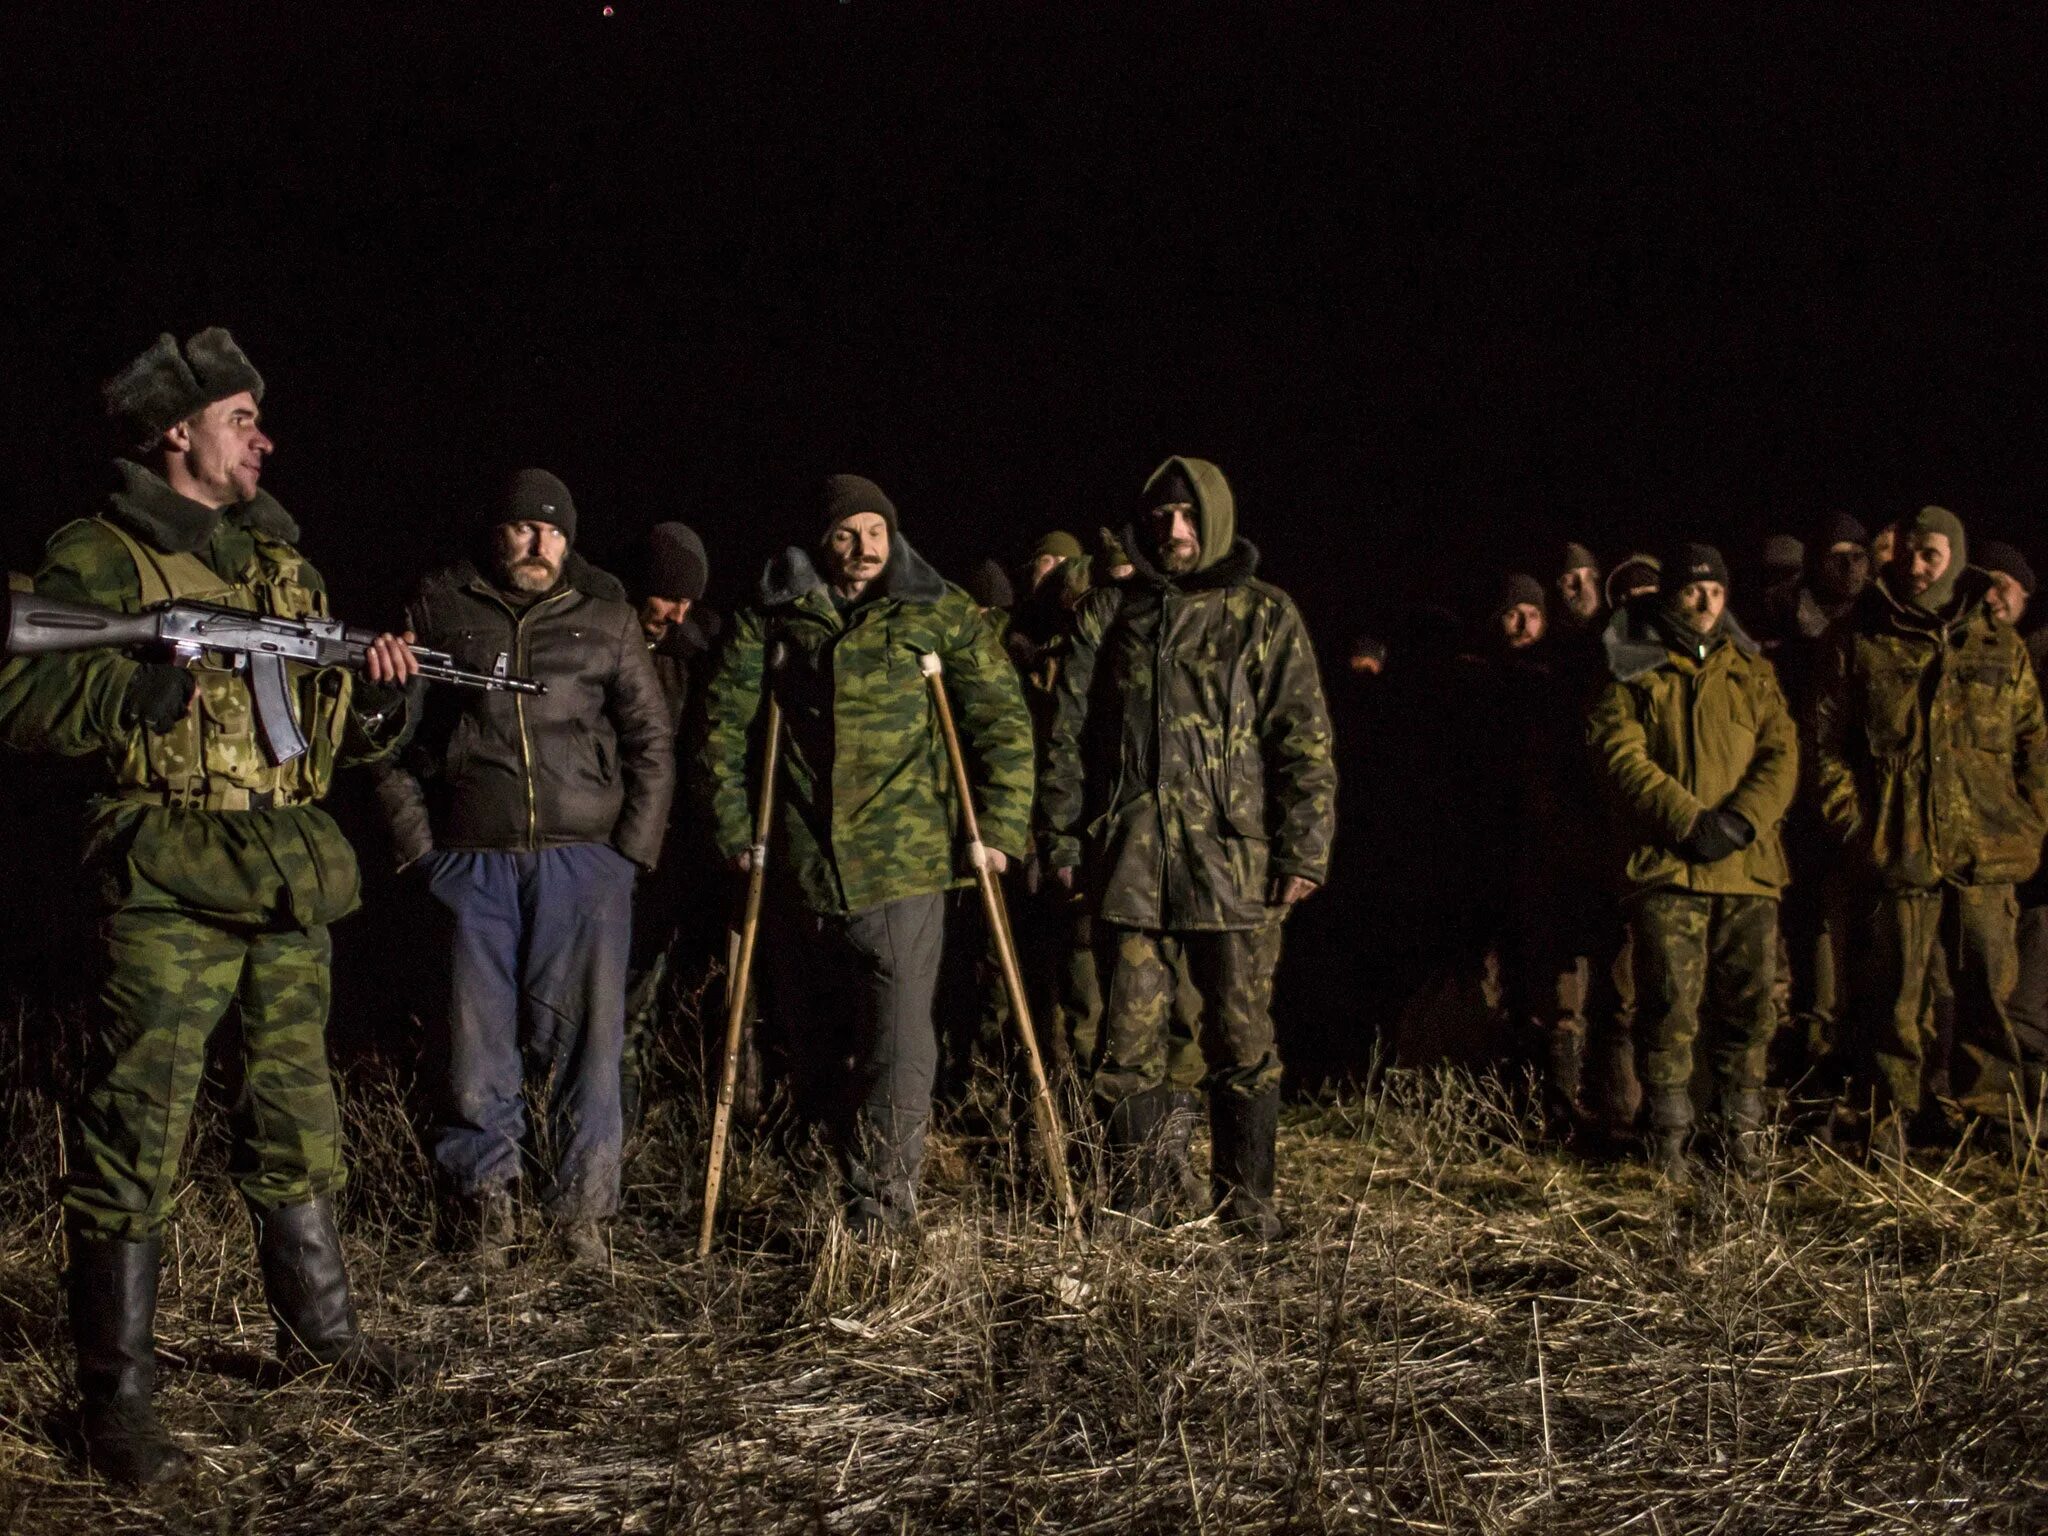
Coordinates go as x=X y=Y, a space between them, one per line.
x=537 y=988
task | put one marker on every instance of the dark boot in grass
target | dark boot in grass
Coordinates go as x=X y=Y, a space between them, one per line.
x=306 y=1285
x=1179 y=1185
x=1244 y=1133
x=112 y=1295
x=1671 y=1135
x=1742 y=1116
x=1135 y=1126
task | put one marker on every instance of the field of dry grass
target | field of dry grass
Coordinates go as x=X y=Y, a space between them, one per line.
x=1470 y=1333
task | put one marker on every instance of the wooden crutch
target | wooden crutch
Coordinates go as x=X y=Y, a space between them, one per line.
x=1052 y=1140
x=741 y=971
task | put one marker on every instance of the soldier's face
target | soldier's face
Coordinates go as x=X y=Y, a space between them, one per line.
x=2007 y=598
x=530 y=555
x=1702 y=603
x=223 y=448
x=1844 y=572
x=858 y=547
x=1881 y=549
x=1172 y=526
x=658 y=614
x=1922 y=561
x=1521 y=626
x=1580 y=589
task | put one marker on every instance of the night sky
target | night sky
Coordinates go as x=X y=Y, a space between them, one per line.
x=1436 y=289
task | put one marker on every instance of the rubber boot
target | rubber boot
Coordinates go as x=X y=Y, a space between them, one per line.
x=1564 y=1076
x=1179 y=1185
x=1244 y=1132
x=1742 y=1114
x=1135 y=1125
x=306 y=1285
x=1671 y=1134
x=112 y=1294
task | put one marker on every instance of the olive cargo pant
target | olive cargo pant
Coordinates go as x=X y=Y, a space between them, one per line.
x=168 y=980
x=1702 y=963
x=1233 y=973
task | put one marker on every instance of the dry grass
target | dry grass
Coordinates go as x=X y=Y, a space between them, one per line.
x=1470 y=1334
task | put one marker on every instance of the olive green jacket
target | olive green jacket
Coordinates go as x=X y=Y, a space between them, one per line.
x=1678 y=732
x=1189 y=759
x=289 y=866
x=866 y=811
x=1930 y=753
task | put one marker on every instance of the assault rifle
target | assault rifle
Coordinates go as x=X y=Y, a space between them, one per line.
x=258 y=646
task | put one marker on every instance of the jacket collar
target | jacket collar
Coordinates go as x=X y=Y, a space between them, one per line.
x=1233 y=570
x=1880 y=606
x=578 y=575
x=1636 y=644
x=145 y=504
x=908 y=577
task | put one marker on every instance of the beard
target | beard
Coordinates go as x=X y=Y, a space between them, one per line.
x=1179 y=557
x=532 y=574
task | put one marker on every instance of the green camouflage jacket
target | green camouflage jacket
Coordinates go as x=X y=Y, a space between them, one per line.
x=866 y=811
x=1676 y=733
x=1930 y=753
x=286 y=866
x=1190 y=759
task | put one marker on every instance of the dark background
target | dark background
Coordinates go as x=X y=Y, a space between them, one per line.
x=1437 y=288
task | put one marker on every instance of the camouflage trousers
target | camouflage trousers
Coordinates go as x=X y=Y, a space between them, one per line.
x=1231 y=971
x=1082 y=1007
x=169 y=980
x=1702 y=961
x=1965 y=935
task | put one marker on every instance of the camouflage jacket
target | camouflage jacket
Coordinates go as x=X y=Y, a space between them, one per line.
x=286 y=866
x=866 y=811
x=1677 y=733
x=1189 y=759
x=1929 y=749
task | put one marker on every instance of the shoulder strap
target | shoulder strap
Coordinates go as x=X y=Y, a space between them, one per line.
x=162 y=577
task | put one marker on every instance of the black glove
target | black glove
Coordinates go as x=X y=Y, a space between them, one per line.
x=1716 y=835
x=158 y=696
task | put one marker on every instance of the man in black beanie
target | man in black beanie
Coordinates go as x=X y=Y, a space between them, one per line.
x=529 y=819
x=1932 y=771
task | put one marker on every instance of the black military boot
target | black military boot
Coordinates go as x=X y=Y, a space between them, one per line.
x=1179 y=1184
x=1671 y=1134
x=1742 y=1117
x=307 y=1287
x=112 y=1293
x=1134 y=1125
x=1243 y=1133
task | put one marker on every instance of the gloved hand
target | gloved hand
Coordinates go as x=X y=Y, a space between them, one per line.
x=1715 y=835
x=158 y=696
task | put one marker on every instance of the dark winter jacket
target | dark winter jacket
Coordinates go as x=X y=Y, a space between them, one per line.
x=590 y=761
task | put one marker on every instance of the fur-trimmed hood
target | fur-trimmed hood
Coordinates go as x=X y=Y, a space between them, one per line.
x=145 y=504
x=1234 y=569
x=1638 y=643
x=907 y=576
x=577 y=572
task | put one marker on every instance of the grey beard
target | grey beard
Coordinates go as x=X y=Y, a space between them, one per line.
x=524 y=579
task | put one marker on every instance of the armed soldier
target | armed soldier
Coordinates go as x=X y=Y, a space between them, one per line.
x=219 y=875
x=865 y=830
x=1190 y=788
x=1932 y=769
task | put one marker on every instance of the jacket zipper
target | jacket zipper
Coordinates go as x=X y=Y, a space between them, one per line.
x=519 y=711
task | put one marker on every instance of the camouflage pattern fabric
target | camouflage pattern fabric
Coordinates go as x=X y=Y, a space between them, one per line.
x=1968 y=932
x=867 y=812
x=1930 y=748
x=1081 y=1007
x=1190 y=756
x=1232 y=970
x=1703 y=962
x=168 y=981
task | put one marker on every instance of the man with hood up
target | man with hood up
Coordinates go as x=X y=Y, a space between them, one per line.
x=1191 y=789
x=530 y=819
x=1700 y=756
x=1931 y=763
x=218 y=875
x=865 y=839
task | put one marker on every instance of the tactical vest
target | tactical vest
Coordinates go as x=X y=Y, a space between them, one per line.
x=213 y=758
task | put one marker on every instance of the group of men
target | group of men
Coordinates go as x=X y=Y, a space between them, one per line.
x=1829 y=818
x=1174 y=785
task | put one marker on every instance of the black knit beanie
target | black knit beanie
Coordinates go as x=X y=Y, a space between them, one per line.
x=1835 y=528
x=1684 y=564
x=1168 y=489
x=989 y=585
x=1519 y=588
x=841 y=496
x=535 y=496
x=676 y=567
x=2002 y=557
x=1576 y=557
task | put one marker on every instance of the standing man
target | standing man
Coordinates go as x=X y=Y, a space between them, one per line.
x=218 y=876
x=1699 y=752
x=530 y=818
x=867 y=814
x=1580 y=601
x=1191 y=787
x=1932 y=770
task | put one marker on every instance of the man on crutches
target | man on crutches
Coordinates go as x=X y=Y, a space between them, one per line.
x=864 y=838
